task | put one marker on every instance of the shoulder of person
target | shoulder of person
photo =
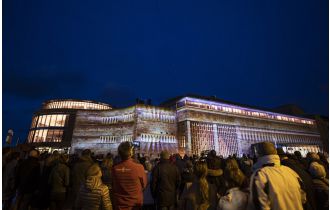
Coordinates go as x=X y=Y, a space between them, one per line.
x=104 y=187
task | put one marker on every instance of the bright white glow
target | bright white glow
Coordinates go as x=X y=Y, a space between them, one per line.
x=217 y=106
x=57 y=120
x=118 y=118
x=162 y=138
x=72 y=104
x=115 y=139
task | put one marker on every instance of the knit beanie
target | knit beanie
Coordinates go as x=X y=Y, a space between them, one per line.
x=265 y=148
x=94 y=170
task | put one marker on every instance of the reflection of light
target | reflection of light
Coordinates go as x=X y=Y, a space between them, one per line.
x=222 y=107
x=75 y=104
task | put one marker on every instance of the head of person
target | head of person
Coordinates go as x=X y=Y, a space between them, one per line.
x=231 y=164
x=189 y=164
x=164 y=155
x=126 y=150
x=107 y=163
x=317 y=170
x=312 y=156
x=147 y=165
x=200 y=169
x=212 y=154
x=298 y=154
x=64 y=158
x=94 y=171
x=93 y=176
x=86 y=153
x=265 y=148
x=281 y=153
x=34 y=153
x=55 y=152
x=234 y=177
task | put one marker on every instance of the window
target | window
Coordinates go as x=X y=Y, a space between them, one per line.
x=50 y=121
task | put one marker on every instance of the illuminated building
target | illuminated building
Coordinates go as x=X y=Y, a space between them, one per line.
x=188 y=125
x=52 y=126
x=205 y=124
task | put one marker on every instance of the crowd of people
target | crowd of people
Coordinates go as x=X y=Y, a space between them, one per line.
x=271 y=179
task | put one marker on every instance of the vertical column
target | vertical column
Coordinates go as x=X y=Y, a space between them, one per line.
x=239 y=139
x=188 y=145
x=216 y=139
x=274 y=139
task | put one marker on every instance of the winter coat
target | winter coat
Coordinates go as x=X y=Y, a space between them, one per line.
x=93 y=195
x=215 y=177
x=187 y=176
x=8 y=180
x=79 y=172
x=306 y=179
x=191 y=198
x=235 y=199
x=165 y=183
x=321 y=187
x=28 y=175
x=274 y=186
x=59 y=178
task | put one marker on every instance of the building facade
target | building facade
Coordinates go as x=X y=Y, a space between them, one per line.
x=185 y=125
x=52 y=126
x=231 y=129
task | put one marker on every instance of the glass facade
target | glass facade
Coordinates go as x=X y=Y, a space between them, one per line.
x=72 y=104
x=47 y=128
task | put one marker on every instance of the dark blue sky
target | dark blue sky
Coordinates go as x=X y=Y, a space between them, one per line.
x=261 y=53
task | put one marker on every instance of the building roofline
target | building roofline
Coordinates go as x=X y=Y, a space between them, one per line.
x=77 y=100
x=171 y=102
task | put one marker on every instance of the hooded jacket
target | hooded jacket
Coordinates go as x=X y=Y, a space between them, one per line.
x=320 y=185
x=274 y=186
x=235 y=199
x=94 y=195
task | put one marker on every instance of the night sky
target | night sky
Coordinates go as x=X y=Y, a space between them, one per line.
x=260 y=53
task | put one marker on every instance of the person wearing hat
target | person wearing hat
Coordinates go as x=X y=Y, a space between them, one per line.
x=165 y=182
x=129 y=180
x=320 y=185
x=273 y=186
x=93 y=194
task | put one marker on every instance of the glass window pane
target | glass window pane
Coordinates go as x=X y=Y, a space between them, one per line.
x=52 y=120
x=49 y=136
x=34 y=122
x=44 y=134
x=57 y=137
x=40 y=121
x=36 y=136
x=44 y=120
x=64 y=119
x=60 y=120
x=47 y=120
